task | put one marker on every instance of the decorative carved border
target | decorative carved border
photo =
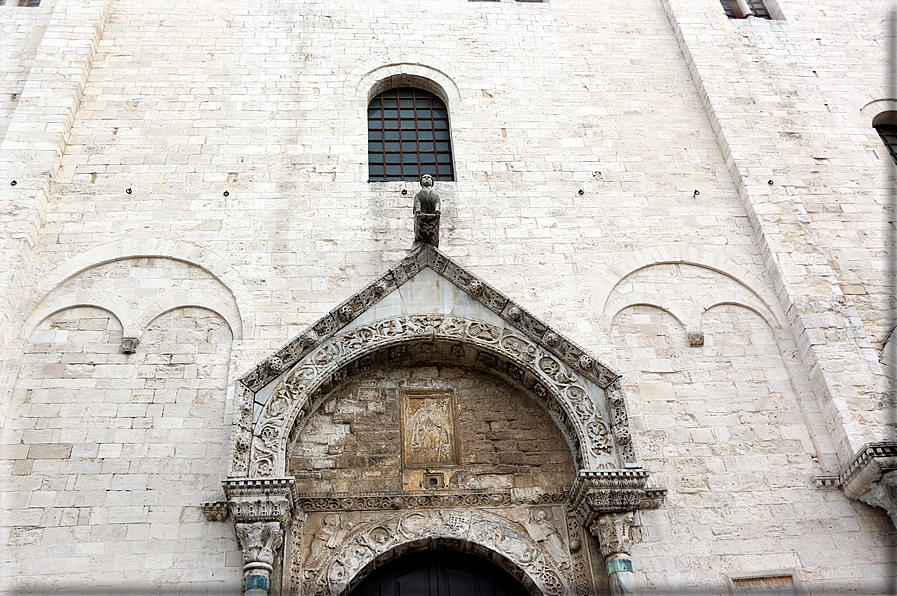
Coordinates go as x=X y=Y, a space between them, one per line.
x=526 y=352
x=378 y=536
x=437 y=499
x=576 y=406
x=422 y=257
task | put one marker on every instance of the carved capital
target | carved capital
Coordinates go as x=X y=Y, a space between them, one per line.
x=883 y=494
x=259 y=541
x=252 y=500
x=597 y=492
x=613 y=533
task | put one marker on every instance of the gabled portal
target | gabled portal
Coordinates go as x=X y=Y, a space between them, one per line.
x=428 y=312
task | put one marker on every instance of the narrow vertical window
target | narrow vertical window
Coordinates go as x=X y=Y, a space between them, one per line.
x=888 y=134
x=408 y=136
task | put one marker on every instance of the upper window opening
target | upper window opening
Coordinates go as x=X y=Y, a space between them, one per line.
x=409 y=136
x=886 y=125
x=740 y=9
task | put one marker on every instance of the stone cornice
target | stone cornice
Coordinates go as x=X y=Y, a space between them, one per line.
x=867 y=467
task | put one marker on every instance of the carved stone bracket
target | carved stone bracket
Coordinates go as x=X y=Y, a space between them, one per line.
x=871 y=477
x=216 y=511
x=596 y=492
x=261 y=509
x=426 y=229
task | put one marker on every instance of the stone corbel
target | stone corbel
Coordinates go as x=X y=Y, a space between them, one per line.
x=261 y=509
x=605 y=502
x=871 y=477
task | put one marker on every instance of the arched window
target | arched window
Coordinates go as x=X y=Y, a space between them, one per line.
x=886 y=125
x=408 y=136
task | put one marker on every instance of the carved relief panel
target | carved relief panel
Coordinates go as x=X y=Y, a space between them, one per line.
x=338 y=547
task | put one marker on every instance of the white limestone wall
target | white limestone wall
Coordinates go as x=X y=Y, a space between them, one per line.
x=266 y=101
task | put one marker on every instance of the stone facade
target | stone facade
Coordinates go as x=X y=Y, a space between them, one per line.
x=647 y=339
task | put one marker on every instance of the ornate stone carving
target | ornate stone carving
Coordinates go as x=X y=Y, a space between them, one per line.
x=867 y=466
x=129 y=344
x=216 y=511
x=259 y=541
x=429 y=500
x=613 y=533
x=883 y=493
x=696 y=339
x=435 y=336
x=596 y=492
x=545 y=563
x=253 y=500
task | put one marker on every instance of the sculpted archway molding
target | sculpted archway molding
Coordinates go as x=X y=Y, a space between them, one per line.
x=583 y=396
x=428 y=309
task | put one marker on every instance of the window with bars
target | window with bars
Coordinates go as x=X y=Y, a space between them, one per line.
x=21 y=3
x=756 y=8
x=888 y=134
x=408 y=136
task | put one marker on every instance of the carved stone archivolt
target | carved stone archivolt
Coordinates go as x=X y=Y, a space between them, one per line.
x=524 y=350
x=577 y=405
x=534 y=545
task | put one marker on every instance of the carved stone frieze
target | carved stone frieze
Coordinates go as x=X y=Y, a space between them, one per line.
x=596 y=492
x=215 y=511
x=429 y=500
x=341 y=548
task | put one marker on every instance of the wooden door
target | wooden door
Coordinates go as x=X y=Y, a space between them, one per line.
x=440 y=573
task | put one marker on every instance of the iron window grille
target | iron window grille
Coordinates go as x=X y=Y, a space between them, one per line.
x=408 y=136
x=734 y=10
x=888 y=134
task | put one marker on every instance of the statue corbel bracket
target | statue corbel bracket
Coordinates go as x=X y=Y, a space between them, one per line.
x=871 y=477
x=605 y=502
x=261 y=509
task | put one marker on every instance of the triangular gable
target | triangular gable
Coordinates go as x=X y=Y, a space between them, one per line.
x=427 y=257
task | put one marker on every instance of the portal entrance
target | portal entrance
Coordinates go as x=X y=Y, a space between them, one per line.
x=440 y=573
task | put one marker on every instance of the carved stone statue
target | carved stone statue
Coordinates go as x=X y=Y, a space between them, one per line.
x=426 y=200
x=426 y=214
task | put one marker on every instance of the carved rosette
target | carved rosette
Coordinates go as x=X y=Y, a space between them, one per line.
x=261 y=510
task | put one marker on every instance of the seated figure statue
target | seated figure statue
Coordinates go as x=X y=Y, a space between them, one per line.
x=426 y=200
x=426 y=213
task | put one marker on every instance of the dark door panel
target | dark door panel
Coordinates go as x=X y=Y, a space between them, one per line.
x=440 y=573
